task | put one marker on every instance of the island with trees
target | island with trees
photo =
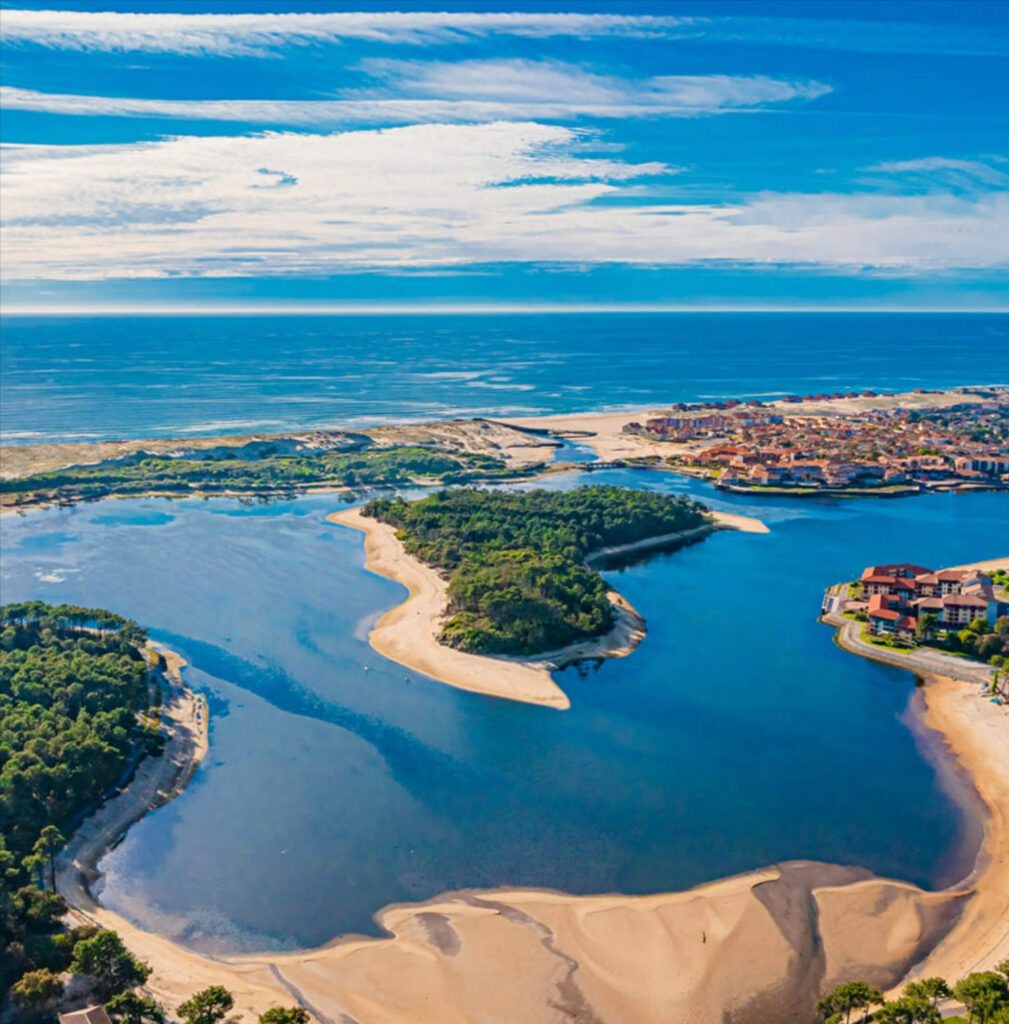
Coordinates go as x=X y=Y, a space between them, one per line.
x=518 y=581
x=502 y=585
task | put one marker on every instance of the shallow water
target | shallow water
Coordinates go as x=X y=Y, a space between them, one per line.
x=735 y=736
x=85 y=378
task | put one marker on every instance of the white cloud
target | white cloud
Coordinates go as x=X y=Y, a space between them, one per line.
x=261 y=33
x=468 y=91
x=243 y=34
x=434 y=196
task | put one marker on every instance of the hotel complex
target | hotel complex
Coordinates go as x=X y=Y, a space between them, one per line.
x=897 y=597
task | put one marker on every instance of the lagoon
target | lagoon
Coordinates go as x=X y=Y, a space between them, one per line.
x=736 y=735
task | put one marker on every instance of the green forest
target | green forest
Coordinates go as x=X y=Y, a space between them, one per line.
x=265 y=472
x=71 y=683
x=515 y=560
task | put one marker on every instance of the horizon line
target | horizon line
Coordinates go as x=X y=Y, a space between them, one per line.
x=456 y=308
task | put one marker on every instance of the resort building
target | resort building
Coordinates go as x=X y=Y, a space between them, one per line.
x=898 y=595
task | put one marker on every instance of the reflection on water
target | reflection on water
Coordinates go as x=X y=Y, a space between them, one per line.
x=736 y=735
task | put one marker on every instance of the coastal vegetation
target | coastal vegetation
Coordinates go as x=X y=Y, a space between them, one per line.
x=261 y=470
x=72 y=681
x=983 y=994
x=515 y=560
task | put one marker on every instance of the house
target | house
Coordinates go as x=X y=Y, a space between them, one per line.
x=89 y=1015
x=991 y=465
x=959 y=610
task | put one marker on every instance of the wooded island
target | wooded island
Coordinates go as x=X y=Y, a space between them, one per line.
x=515 y=560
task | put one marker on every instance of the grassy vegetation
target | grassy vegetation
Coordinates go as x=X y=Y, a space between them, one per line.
x=518 y=583
x=265 y=472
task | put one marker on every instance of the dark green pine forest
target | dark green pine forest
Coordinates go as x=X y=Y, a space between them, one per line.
x=72 y=681
x=515 y=560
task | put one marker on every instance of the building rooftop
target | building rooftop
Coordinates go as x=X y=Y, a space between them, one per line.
x=89 y=1015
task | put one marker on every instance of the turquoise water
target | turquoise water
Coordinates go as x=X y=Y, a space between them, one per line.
x=736 y=735
x=86 y=378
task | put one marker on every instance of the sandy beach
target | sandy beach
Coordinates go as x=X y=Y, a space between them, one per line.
x=976 y=732
x=987 y=565
x=407 y=634
x=157 y=780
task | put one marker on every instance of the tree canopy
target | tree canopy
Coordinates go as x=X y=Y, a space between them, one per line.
x=515 y=560
x=71 y=682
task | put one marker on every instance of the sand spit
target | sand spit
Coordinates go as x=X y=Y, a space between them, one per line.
x=732 y=521
x=407 y=634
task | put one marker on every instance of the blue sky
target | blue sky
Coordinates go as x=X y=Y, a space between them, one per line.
x=703 y=154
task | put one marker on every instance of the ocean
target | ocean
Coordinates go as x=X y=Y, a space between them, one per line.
x=70 y=378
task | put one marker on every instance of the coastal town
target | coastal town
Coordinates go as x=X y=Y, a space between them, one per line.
x=839 y=443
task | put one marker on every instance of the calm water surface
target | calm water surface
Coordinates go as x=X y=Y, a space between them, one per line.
x=736 y=735
x=85 y=378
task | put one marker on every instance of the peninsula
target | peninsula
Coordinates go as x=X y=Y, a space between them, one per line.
x=867 y=443
x=501 y=589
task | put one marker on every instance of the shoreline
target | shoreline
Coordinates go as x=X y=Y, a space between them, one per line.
x=975 y=733
x=156 y=781
x=975 y=740
x=407 y=633
x=763 y=943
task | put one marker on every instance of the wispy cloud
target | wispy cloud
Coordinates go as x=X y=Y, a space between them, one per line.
x=468 y=91
x=262 y=33
x=247 y=34
x=940 y=173
x=501 y=192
